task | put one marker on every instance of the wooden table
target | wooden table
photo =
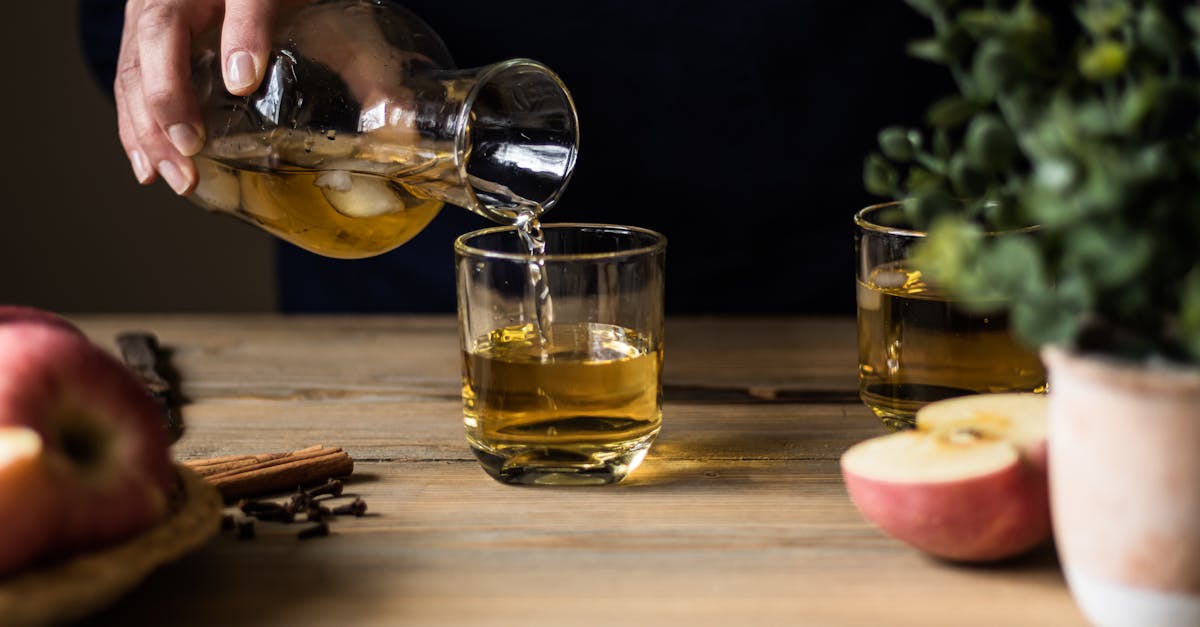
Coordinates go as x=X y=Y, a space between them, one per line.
x=737 y=517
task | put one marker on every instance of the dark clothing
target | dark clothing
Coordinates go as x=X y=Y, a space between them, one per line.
x=738 y=130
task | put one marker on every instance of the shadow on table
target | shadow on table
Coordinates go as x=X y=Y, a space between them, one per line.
x=1042 y=559
x=272 y=579
x=734 y=436
x=239 y=581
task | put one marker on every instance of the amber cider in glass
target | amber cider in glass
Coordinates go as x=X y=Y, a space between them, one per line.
x=916 y=345
x=585 y=399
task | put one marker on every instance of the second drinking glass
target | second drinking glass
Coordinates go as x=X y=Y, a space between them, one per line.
x=916 y=344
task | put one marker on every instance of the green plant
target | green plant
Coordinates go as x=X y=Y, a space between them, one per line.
x=1082 y=118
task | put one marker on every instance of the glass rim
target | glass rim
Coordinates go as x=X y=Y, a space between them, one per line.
x=862 y=221
x=462 y=134
x=657 y=245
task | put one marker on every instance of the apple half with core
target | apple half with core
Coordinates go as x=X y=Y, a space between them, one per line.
x=28 y=498
x=105 y=448
x=1016 y=417
x=968 y=484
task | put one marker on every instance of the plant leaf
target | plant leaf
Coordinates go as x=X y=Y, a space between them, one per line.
x=989 y=145
x=1013 y=265
x=1103 y=18
x=879 y=177
x=967 y=181
x=928 y=50
x=1189 y=313
x=1103 y=61
x=894 y=143
x=951 y=111
x=995 y=68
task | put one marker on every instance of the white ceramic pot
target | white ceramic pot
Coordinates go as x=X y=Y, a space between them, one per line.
x=1124 y=461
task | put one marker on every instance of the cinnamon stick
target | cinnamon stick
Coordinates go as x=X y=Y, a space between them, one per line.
x=254 y=475
x=214 y=465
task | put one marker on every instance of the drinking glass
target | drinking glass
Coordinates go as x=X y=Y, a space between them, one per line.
x=917 y=345
x=562 y=352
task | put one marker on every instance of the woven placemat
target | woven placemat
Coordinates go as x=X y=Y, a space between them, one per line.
x=72 y=589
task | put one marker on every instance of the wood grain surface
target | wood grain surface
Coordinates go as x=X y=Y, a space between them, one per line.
x=737 y=517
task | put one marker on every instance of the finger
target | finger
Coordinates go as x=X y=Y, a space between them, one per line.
x=133 y=150
x=127 y=73
x=177 y=170
x=245 y=43
x=163 y=50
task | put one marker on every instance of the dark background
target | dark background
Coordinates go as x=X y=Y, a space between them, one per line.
x=736 y=129
x=78 y=233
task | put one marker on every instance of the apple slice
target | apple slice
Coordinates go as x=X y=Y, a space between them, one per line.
x=104 y=440
x=32 y=506
x=1019 y=418
x=963 y=485
x=359 y=196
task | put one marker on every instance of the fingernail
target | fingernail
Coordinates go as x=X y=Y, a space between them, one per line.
x=173 y=176
x=185 y=139
x=140 y=170
x=240 y=72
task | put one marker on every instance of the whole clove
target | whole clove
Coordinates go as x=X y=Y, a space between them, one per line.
x=303 y=500
x=299 y=502
x=267 y=510
x=302 y=503
x=317 y=513
x=333 y=487
x=356 y=508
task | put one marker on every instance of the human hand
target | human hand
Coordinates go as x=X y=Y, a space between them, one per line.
x=158 y=117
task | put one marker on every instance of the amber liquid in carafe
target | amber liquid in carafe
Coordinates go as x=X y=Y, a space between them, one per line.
x=348 y=196
x=293 y=206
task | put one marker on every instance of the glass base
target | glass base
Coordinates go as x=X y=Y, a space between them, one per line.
x=897 y=404
x=540 y=465
x=896 y=421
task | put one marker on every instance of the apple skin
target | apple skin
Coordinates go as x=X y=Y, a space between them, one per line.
x=28 y=499
x=105 y=442
x=25 y=313
x=996 y=507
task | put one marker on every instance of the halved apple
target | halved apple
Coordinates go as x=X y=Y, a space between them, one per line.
x=102 y=437
x=25 y=313
x=1017 y=417
x=966 y=485
x=31 y=503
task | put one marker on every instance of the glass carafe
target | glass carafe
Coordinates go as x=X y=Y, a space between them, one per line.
x=362 y=129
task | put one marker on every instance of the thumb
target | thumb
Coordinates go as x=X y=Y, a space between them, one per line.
x=245 y=43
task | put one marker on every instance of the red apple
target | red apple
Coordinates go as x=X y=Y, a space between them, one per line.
x=24 y=313
x=28 y=499
x=958 y=487
x=105 y=442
